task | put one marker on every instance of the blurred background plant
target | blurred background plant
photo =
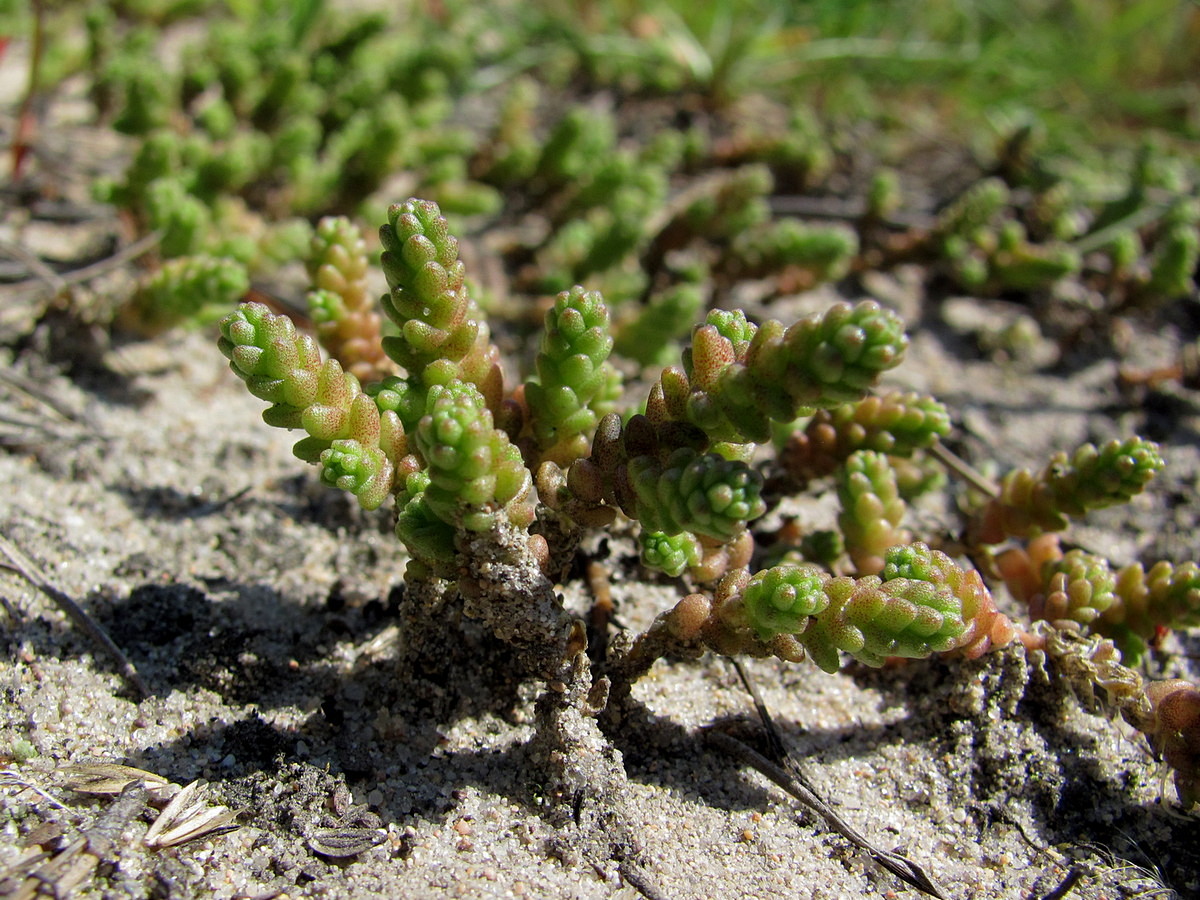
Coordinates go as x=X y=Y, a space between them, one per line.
x=664 y=152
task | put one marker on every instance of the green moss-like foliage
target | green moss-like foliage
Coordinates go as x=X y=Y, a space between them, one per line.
x=824 y=251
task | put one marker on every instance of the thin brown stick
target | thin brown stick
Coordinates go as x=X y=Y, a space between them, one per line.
x=601 y=613
x=902 y=867
x=96 y=269
x=74 y=864
x=789 y=776
x=779 y=751
x=845 y=210
x=23 y=133
x=33 y=263
x=28 y=569
x=36 y=392
x=963 y=470
x=1067 y=884
x=640 y=881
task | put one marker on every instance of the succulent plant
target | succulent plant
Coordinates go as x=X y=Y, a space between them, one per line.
x=1090 y=478
x=493 y=488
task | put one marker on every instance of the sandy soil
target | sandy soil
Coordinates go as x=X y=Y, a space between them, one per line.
x=261 y=610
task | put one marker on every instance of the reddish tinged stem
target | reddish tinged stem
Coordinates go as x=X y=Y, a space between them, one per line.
x=1176 y=733
x=26 y=123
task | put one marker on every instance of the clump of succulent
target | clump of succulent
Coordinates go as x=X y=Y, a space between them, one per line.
x=275 y=114
x=1132 y=606
x=992 y=254
x=274 y=118
x=1090 y=478
x=803 y=254
x=187 y=288
x=272 y=102
x=493 y=485
x=1130 y=235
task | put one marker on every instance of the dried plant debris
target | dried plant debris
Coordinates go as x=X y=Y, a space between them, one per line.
x=55 y=864
x=16 y=779
x=109 y=779
x=344 y=842
x=42 y=873
x=188 y=817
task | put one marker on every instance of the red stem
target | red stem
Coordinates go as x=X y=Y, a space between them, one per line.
x=26 y=122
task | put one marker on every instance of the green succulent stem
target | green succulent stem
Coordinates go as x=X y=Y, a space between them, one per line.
x=1069 y=486
x=443 y=336
x=894 y=423
x=1165 y=596
x=475 y=471
x=574 y=380
x=923 y=603
x=701 y=493
x=872 y=509
x=1131 y=606
x=672 y=554
x=285 y=369
x=738 y=379
x=184 y=288
x=347 y=322
x=1079 y=587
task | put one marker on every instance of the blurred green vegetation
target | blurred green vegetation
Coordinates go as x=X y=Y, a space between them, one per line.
x=1098 y=64
x=664 y=151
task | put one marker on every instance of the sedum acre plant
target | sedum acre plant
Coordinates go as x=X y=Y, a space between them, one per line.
x=495 y=484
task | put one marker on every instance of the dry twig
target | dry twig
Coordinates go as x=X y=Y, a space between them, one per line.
x=96 y=269
x=788 y=775
x=42 y=874
x=27 y=569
